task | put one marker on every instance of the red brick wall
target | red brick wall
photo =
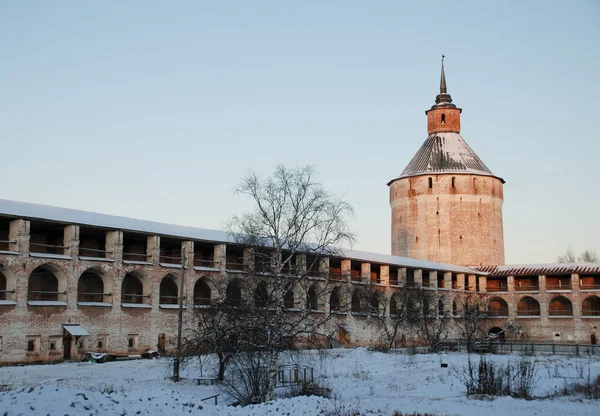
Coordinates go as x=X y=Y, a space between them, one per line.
x=458 y=225
x=451 y=117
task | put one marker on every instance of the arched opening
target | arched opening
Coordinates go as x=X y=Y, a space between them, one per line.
x=440 y=308
x=2 y=286
x=528 y=306
x=261 y=296
x=168 y=291
x=376 y=304
x=593 y=339
x=312 y=300
x=202 y=293
x=591 y=306
x=43 y=285
x=560 y=306
x=335 y=300
x=497 y=307
x=132 y=289
x=393 y=306
x=355 y=305
x=498 y=332
x=430 y=181
x=443 y=118
x=233 y=294
x=90 y=287
x=454 y=308
x=8 y=283
x=288 y=299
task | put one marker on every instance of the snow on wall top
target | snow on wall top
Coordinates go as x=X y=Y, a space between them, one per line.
x=537 y=269
x=28 y=210
x=445 y=153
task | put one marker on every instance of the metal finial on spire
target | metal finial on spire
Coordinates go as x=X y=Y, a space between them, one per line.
x=443 y=89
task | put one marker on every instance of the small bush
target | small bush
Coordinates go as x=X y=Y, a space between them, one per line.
x=341 y=409
x=517 y=380
x=309 y=388
x=589 y=389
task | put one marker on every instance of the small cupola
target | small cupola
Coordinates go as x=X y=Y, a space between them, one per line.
x=443 y=116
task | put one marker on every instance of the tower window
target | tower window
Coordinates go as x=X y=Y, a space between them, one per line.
x=453 y=182
x=430 y=183
x=443 y=118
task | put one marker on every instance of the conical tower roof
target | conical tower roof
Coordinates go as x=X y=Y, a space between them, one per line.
x=445 y=151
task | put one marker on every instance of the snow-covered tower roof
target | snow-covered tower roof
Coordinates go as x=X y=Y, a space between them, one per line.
x=444 y=151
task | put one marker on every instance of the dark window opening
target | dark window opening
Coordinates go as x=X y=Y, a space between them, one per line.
x=202 y=293
x=47 y=238
x=528 y=307
x=312 y=300
x=261 y=296
x=134 y=247
x=170 y=251
x=376 y=304
x=430 y=181
x=168 y=291
x=453 y=182
x=132 y=290
x=30 y=345
x=334 y=300
x=288 y=299
x=204 y=255
x=92 y=243
x=100 y=345
x=2 y=286
x=233 y=294
x=335 y=269
x=393 y=307
x=394 y=276
x=356 y=271
x=52 y=346
x=4 y=234
x=43 y=285
x=443 y=118
x=235 y=258
x=560 y=306
x=355 y=303
x=90 y=288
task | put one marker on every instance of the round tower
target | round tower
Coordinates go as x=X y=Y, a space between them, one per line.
x=446 y=204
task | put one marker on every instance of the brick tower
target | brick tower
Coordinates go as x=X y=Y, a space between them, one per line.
x=446 y=204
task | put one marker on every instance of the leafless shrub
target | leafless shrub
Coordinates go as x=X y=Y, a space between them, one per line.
x=515 y=379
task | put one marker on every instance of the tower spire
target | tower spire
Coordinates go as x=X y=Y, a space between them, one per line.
x=443 y=89
x=443 y=100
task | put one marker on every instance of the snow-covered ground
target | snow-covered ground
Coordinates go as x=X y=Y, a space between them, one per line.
x=371 y=382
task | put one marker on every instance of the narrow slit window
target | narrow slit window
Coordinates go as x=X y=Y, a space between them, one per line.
x=430 y=183
x=443 y=118
x=453 y=182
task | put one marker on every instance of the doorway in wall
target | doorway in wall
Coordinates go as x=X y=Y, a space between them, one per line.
x=162 y=343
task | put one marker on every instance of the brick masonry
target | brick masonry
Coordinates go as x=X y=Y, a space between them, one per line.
x=460 y=224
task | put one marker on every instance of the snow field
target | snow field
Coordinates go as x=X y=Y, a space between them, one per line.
x=372 y=383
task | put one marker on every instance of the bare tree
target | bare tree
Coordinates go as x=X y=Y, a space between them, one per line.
x=586 y=256
x=429 y=317
x=474 y=319
x=392 y=312
x=278 y=299
x=568 y=257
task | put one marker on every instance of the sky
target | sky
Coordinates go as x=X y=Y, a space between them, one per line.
x=157 y=109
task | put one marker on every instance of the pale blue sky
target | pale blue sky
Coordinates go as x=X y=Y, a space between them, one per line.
x=155 y=110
